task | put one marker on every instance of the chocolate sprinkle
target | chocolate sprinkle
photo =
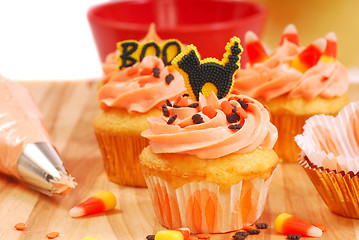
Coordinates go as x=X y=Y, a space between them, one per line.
x=234 y=109
x=165 y=111
x=176 y=106
x=235 y=126
x=193 y=105
x=253 y=231
x=156 y=72
x=185 y=95
x=244 y=234
x=261 y=225
x=150 y=237
x=197 y=119
x=244 y=105
x=172 y=119
x=238 y=237
x=294 y=236
x=233 y=117
x=169 y=78
x=168 y=103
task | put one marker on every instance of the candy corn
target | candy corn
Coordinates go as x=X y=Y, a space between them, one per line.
x=169 y=235
x=288 y=224
x=309 y=56
x=185 y=232
x=330 y=52
x=255 y=50
x=100 y=202
x=290 y=34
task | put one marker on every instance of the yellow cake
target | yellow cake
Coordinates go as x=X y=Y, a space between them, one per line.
x=290 y=115
x=225 y=171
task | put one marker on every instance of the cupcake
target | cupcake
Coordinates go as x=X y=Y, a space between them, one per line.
x=210 y=160
x=127 y=98
x=295 y=83
x=330 y=156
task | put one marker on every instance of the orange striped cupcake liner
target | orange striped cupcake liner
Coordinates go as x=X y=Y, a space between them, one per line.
x=120 y=156
x=288 y=127
x=203 y=208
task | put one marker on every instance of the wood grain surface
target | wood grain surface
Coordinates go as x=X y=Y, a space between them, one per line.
x=69 y=108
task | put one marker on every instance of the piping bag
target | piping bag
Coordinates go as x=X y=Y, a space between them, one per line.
x=26 y=150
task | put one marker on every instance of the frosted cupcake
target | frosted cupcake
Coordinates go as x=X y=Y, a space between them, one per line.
x=135 y=92
x=295 y=83
x=210 y=159
x=330 y=157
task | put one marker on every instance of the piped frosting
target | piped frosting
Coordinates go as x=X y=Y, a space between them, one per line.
x=196 y=132
x=278 y=74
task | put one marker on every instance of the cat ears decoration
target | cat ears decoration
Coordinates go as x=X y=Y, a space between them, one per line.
x=209 y=74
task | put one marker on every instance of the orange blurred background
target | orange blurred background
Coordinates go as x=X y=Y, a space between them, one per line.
x=314 y=19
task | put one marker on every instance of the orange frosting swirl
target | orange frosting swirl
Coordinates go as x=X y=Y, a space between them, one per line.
x=274 y=77
x=211 y=137
x=110 y=66
x=138 y=88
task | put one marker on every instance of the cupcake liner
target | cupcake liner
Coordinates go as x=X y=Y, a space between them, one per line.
x=339 y=191
x=288 y=127
x=333 y=142
x=120 y=156
x=203 y=208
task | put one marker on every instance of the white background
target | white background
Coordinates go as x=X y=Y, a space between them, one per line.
x=47 y=40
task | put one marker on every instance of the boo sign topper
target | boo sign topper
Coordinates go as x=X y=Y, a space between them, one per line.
x=132 y=51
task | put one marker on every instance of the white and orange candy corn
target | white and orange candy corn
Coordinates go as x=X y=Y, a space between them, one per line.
x=98 y=203
x=309 y=56
x=185 y=232
x=290 y=34
x=330 y=52
x=288 y=224
x=255 y=50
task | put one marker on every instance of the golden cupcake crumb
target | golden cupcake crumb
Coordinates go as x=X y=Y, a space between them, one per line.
x=119 y=122
x=300 y=106
x=178 y=169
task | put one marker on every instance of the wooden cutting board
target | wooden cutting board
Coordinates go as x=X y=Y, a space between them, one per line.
x=69 y=108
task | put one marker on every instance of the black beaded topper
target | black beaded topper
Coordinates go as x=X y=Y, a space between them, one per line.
x=210 y=74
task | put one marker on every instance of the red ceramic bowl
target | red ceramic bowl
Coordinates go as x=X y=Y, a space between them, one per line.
x=208 y=24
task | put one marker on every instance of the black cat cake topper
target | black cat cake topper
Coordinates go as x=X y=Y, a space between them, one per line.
x=209 y=74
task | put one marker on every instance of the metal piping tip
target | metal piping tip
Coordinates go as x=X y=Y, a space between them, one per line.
x=40 y=166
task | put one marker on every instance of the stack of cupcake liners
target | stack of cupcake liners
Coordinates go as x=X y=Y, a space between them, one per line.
x=330 y=157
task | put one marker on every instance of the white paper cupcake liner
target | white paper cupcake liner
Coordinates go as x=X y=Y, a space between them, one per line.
x=203 y=208
x=333 y=142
